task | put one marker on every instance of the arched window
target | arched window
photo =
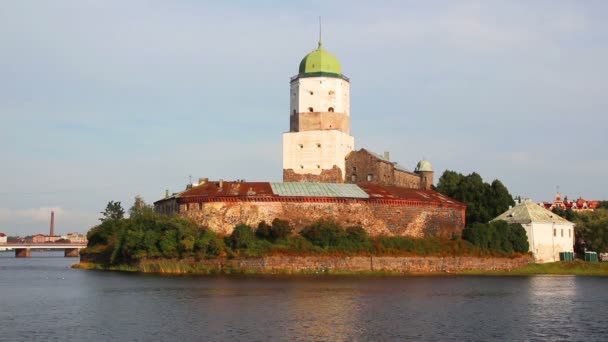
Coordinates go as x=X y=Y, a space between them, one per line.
x=310 y=109
x=330 y=109
x=353 y=178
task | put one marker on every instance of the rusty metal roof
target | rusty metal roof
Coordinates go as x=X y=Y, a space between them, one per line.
x=277 y=190
x=396 y=192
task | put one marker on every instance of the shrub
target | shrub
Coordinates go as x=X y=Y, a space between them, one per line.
x=263 y=231
x=280 y=229
x=241 y=237
x=497 y=236
x=324 y=233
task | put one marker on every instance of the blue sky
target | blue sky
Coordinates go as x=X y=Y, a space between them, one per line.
x=107 y=100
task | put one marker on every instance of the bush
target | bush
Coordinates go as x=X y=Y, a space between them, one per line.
x=242 y=237
x=324 y=233
x=279 y=229
x=497 y=236
x=263 y=231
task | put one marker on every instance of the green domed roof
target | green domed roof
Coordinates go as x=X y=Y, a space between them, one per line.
x=424 y=166
x=320 y=61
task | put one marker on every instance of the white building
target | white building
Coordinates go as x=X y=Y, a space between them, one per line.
x=3 y=239
x=548 y=233
x=319 y=136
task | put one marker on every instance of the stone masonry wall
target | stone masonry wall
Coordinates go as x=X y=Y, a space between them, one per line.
x=333 y=175
x=378 y=218
x=297 y=264
x=361 y=165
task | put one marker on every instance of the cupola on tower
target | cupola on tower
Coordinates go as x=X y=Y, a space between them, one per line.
x=319 y=139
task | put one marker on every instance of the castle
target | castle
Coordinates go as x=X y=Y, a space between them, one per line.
x=319 y=147
x=324 y=177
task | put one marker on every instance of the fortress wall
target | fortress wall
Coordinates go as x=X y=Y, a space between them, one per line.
x=404 y=264
x=377 y=218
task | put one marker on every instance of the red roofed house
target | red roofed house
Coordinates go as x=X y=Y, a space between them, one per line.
x=579 y=205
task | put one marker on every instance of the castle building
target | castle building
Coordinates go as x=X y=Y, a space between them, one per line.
x=319 y=137
x=319 y=147
x=324 y=177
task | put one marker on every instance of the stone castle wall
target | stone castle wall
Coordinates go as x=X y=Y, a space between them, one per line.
x=333 y=175
x=402 y=264
x=380 y=217
x=362 y=166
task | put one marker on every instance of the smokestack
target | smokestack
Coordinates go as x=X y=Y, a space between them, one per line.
x=52 y=232
x=386 y=155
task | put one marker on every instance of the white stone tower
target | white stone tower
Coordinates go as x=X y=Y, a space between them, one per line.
x=319 y=138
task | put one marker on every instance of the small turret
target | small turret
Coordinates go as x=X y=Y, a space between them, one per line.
x=425 y=170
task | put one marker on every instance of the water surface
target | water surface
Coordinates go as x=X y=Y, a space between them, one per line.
x=43 y=299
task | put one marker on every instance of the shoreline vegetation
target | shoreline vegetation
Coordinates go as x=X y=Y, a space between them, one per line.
x=188 y=267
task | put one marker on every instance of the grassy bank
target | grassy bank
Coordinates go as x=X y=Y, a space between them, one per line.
x=177 y=267
x=553 y=268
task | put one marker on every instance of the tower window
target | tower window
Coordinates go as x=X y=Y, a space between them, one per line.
x=318 y=166
x=294 y=112
x=318 y=145
x=370 y=177
x=354 y=169
x=353 y=178
x=300 y=146
x=301 y=166
x=311 y=92
x=310 y=109
x=330 y=109
x=331 y=92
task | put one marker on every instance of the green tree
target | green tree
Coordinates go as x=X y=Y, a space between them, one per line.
x=280 y=229
x=591 y=230
x=497 y=236
x=264 y=231
x=324 y=233
x=568 y=214
x=484 y=201
x=140 y=209
x=113 y=211
x=242 y=237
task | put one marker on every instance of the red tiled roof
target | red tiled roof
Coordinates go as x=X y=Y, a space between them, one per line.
x=2 y=235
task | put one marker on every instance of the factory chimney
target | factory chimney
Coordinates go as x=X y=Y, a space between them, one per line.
x=52 y=232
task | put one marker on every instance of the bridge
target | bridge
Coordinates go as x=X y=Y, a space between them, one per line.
x=24 y=249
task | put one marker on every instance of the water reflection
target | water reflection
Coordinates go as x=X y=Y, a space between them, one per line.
x=47 y=301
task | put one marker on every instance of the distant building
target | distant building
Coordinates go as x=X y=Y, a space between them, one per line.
x=548 y=233
x=3 y=239
x=75 y=237
x=40 y=238
x=564 y=204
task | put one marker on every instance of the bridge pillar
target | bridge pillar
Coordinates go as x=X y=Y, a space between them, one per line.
x=22 y=253
x=71 y=252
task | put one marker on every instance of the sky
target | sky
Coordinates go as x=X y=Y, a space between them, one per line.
x=108 y=100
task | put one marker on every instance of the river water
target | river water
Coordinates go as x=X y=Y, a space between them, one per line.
x=43 y=299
